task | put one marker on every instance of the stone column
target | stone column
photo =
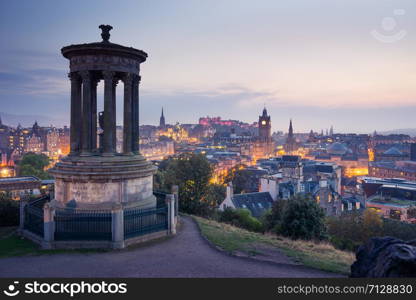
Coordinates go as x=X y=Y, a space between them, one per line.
x=48 y=226
x=23 y=202
x=94 y=83
x=117 y=221
x=109 y=145
x=86 y=113
x=175 y=192
x=128 y=114
x=135 y=111
x=115 y=113
x=75 y=126
x=170 y=202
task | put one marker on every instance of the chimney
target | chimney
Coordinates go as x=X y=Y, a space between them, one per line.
x=264 y=182
x=230 y=191
x=269 y=185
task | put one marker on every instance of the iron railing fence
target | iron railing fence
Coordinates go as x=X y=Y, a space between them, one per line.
x=33 y=220
x=33 y=215
x=139 y=222
x=160 y=198
x=77 y=224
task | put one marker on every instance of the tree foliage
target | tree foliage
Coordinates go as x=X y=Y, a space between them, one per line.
x=9 y=211
x=273 y=218
x=240 y=179
x=241 y=218
x=352 y=229
x=191 y=173
x=33 y=164
x=303 y=219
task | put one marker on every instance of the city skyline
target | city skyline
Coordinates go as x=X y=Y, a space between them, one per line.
x=228 y=60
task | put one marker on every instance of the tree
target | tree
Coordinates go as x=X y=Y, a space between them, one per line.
x=273 y=218
x=351 y=229
x=303 y=219
x=344 y=230
x=191 y=173
x=372 y=225
x=240 y=179
x=214 y=195
x=9 y=211
x=33 y=164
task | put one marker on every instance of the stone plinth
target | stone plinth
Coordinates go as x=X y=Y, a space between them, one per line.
x=99 y=182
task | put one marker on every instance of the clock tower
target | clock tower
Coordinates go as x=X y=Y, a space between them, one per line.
x=264 y=125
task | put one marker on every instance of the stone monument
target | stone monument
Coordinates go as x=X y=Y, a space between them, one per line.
x=95 y=176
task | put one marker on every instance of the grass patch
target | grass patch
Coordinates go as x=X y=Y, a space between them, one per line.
x=321 y=256
x=6 y=231
x=15 y=245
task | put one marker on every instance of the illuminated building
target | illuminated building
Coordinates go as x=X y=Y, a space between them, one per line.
x=52 y=141
x=393 y=169
x=4 y=136
x=222 y=162
x=391 y=198
x=178 y=133
x=18 y=137
x=264 y=126
x=389 y=152
x=354 y=162
x=157 y=150
x=34 y=144
x=211 y=121
x=263 y=145
x=390 y=139
x=20 y=186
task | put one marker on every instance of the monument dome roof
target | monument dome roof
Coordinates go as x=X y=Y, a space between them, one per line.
x=337 y=149
x=393 y=151
x=103 y=47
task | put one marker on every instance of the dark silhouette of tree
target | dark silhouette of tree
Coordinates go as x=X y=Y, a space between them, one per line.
x=33 y=164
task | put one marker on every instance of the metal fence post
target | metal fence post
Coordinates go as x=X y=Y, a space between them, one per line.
x=23 y=203
x=170 y=201
x=175 y=192
x=117 y=227
x=48 y=225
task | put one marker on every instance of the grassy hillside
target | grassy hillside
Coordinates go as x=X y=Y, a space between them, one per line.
x=321 y=256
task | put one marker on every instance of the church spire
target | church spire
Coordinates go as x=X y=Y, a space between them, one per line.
x=290 y=133
x=162 y=120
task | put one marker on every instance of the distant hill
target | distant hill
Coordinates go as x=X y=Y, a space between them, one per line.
x=28 y=120
x=409 y=131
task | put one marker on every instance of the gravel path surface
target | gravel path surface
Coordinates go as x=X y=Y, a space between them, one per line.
x=185 y=255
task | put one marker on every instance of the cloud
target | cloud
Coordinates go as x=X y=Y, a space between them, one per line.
x=34 y=82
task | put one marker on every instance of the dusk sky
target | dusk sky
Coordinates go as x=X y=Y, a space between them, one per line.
x=350 y=64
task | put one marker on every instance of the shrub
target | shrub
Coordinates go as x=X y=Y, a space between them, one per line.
x=398 y=229
x=272 y=219
x=9 y=212
x=344 y=243
x=352 y=229
x=303 y=219
x=241 y=218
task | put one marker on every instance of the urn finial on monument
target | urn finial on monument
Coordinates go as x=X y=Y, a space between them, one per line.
x=105 y=32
